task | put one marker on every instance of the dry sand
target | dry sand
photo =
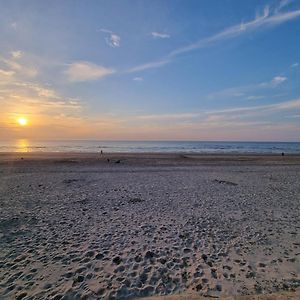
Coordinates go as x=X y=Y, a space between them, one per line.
x=295 y=295
x=75 y=226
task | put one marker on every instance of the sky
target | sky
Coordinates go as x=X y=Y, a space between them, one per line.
x=224 y=70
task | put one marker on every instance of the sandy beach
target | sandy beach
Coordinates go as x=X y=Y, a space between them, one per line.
x=128 y=226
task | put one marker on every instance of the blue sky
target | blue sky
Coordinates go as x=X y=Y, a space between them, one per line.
x=192 y=70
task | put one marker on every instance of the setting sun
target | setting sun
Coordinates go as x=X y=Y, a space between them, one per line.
x=22 y=121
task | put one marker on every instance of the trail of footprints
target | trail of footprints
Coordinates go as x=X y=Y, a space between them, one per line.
x=124 y=242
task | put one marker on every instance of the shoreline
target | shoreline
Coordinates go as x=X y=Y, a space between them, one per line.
x=45 y=155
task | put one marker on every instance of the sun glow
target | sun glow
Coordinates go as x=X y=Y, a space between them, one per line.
x=22 y=121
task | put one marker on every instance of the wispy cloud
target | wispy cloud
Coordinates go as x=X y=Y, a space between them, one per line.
x=37 y=89
x=263 y=122
x=16 y=92
x=160 y=35
x=261 y=109
x=81 y=71
x=282 y=4
x=232 y=92
x=264 y=20
x=40 y=103
x=151 y=65
x=242 y=91
x=16 y=54
x=14 y=25
x=44 y=105
x=277 y=80
x=5 y=73
x=174 y=116
x=222 y=116
x=113 y=40
x=86 y=71
x=295 y=65
x=255 y=97
x=287 y=105
x=20 y=68
x=138 y=79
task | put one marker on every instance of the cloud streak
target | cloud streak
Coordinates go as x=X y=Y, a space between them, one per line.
x=277 y=80
x=282 y=4
x=18 y=68
x=265 y=20
x=151 y=65
x=221 y=114
x=138 y=79
x=160 y=35
x=6 y=73
x=43 y=106
x=242 y=91
x=81 y=71
x=85 y=71
x=179 y=116
x=249 y=123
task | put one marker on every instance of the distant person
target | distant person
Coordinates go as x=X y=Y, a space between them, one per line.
x=101 y=152
x=282 y=153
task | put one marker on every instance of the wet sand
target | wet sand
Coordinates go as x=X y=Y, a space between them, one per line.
x=126 y=226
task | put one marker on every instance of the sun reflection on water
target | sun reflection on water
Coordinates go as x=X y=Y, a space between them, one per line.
x=22 y=145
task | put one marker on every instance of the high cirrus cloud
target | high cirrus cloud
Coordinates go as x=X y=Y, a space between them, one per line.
x=277 y=80
x=14 y=66
x=113 y=40
x=267 y=19
x=160 y=35
x=243 y=91
x=86 y=71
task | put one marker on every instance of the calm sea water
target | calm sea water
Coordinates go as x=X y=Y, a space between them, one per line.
x=24 y=145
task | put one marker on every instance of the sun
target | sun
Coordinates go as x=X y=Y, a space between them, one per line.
x=22 y=121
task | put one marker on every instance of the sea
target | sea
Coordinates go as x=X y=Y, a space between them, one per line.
x=211 y=147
